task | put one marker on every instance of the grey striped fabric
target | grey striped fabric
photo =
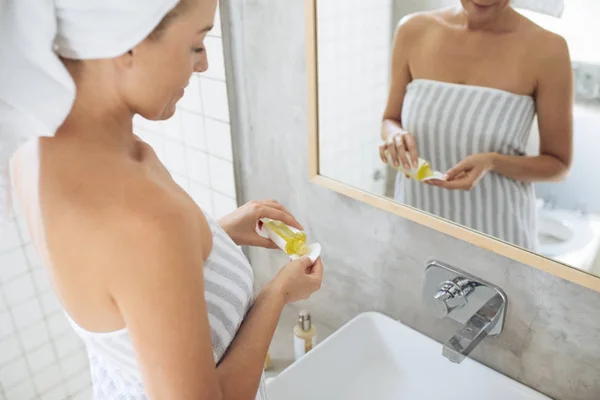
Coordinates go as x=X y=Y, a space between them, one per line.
x=228 y=281
x=452 y=121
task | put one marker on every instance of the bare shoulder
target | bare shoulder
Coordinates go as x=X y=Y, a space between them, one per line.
x=546 y=45
x=412 y=30
x=117 y=214
x=148 y=234
x=417 y=23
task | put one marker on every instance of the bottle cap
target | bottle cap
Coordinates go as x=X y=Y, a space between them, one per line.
x=304 y=320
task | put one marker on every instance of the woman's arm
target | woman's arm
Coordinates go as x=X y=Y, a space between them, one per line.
x=243 y=364
x=156 y=279
x=554 y=102
x=398 y=142
x=400 y=76
x=155 y=253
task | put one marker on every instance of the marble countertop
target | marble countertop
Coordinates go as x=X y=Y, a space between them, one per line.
x=282 y=346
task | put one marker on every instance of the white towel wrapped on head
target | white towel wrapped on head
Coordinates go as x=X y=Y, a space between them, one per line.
x=36 y=90
x=554 y=8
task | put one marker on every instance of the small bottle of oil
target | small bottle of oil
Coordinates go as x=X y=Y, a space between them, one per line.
x=422 y=171
x=289 y=239
x=305 y=335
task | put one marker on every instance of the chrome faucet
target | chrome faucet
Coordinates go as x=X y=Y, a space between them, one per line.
x=478 y=305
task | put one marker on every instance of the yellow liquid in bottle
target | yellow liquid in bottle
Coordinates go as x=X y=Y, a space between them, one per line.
x=295 y=242
x=424 y=172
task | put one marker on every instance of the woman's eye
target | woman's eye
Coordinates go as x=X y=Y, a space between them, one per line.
x=199 y=50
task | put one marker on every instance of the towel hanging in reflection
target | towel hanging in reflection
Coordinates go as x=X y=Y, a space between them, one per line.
x=554 y=8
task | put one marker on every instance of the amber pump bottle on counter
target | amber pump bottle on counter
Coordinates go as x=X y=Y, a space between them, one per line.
x=305 y=335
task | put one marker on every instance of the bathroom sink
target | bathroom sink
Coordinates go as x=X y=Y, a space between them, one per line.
x=374 y=357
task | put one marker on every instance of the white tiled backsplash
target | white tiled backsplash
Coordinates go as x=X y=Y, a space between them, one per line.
x=353 y=86
x=40 y=355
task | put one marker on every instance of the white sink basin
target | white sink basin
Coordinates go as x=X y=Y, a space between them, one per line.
x=374 y=357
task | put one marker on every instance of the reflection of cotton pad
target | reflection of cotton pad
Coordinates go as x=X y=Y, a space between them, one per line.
x=314 y=249
x=437 y=176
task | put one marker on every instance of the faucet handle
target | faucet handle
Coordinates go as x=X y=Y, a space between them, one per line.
x=451 y=295
x=441 y=309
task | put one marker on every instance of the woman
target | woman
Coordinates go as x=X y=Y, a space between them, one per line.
x=159 y=292
x=466 y=84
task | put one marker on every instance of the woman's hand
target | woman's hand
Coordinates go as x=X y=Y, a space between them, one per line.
x=240 y=225
x=398 y=146
x=467 y=173
x=297 y=280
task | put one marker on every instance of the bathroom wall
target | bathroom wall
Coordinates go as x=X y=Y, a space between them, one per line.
x=40 y=356
x=362 y=57
x=374 y=260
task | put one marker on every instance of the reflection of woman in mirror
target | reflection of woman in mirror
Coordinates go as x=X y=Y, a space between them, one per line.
x=466 y=84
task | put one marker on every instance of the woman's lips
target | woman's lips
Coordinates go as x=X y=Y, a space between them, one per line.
x=482 y=7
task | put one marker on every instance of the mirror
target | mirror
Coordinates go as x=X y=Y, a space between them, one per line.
x=482 y=94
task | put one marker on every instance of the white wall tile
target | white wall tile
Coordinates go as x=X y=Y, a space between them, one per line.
x=47 y=379
x=172 y=128
x=74 y=364
x=192 y=100
x=202 y=197
x=222 y=205
x=10 y=349
x=12 y=264
x=50 y=303
x=9 y=237
x=33 y=257
x=216 y=30
x=218 y=138
x=57 y=324
x=14 y=373
x=78 y=383
x=214 y=97
x=67 y=344
x=197 y=166
x=221 y=176
x=34 y=336
x=6 y=325
x=19 y=289
x=58 y=393
x=41 y=358
x=83 y=395
x=144 y=124
x=22 y=226
x=193 y=129
x=23 y=391
x=216 y=62
x=27 y=313
x=42 y=280
x=175 y=157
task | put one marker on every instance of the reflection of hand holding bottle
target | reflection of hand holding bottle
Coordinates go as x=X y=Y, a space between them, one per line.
x=400 y=151
x=422 y=172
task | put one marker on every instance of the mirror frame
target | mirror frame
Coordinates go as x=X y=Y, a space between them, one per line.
x=490 y=243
